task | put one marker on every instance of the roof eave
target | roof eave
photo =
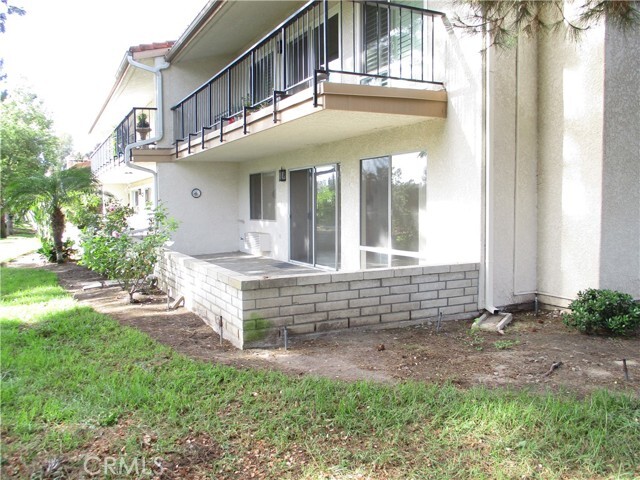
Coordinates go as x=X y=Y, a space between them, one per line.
x=137 y=54
x=209 y=10
x=122 y=68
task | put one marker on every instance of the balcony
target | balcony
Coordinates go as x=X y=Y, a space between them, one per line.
x=346 y=67
x=137 y=126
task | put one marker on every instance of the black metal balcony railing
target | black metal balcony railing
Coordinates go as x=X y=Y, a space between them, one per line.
x=386 y=42
x=135 y=127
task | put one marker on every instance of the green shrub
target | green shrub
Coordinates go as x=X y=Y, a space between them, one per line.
x=603 y=310
x=48 y=249
x=112 y=249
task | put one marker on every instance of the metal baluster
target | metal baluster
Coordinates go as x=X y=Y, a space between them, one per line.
x=252 y=78
x=325 y=6
x=433 y=65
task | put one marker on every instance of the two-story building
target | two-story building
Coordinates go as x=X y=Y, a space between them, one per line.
x=375 y=168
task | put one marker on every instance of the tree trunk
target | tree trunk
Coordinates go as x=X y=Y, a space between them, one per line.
x=57 y=230
x=3 y=225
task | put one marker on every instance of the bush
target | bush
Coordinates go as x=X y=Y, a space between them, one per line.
x=85 y=210
x=603 y=310
x=113 y=250
x=48 y=249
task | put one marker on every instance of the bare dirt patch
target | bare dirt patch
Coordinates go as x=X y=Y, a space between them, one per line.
x=518 y=359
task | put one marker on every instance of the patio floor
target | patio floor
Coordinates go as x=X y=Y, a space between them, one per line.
x=256 y=266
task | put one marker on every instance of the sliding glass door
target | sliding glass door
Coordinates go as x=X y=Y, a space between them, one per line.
x=314 y=219
x=301 y=210
x=393 y=193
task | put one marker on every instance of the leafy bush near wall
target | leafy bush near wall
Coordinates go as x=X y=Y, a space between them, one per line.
x=114 y=250
x=48 y=249
x=609 y=311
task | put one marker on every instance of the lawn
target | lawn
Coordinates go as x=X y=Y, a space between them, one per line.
x=82 y=394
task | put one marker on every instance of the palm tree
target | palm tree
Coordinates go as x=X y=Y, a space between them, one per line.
x=49 y=193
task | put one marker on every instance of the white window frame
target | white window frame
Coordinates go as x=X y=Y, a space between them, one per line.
x=389 y=251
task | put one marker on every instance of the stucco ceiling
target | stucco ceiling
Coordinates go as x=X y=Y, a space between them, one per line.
x=136 y=89
x=233 y=28
x=124 y=175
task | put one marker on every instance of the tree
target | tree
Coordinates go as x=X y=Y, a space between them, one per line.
x=85 y=209
x=5 y=11
x=28 y=144
x=49 y=193
x=506 y=20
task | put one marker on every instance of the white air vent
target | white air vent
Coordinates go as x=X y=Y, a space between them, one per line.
x=257 y=243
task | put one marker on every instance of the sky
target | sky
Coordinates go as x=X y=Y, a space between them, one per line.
x=68 y=51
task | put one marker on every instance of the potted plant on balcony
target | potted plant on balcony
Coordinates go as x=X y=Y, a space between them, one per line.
x=142 y=126
x=245 y=101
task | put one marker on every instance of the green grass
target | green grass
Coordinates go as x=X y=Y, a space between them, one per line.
x=73 y=380
x=505 y=344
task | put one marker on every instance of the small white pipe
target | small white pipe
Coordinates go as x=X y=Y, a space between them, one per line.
x=159 y=130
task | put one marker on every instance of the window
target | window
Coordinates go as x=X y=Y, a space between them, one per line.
x=262 y=196
x=263 y=84
x=147 y=197
x=305 y=48
x=333 y=35
x=135 y=199
x=392 y=203
x=376 y=35
x=393 y=39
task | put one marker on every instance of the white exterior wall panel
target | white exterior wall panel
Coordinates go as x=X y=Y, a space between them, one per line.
x=207 y=224
x=570 y=77
x=620 y=237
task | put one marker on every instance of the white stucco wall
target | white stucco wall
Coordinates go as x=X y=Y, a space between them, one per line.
x=180 y=79
x=453 y=191
x=208 y=224
x=120 y=191
x=620 y=237
x=570 y=130
x=511 y=180
x=450 y=192
x=564 y=167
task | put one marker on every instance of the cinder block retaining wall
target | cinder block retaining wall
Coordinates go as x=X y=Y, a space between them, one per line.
x=209 y=291
x=255 y=310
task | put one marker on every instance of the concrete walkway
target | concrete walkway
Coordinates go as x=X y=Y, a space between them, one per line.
x=16 y=245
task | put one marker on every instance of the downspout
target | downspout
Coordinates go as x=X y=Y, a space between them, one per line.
x=159 y=130
x=487 y=203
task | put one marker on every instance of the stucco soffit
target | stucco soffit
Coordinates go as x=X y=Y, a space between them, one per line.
x=200 y=22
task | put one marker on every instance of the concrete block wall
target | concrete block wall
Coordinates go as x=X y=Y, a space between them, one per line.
x=209 y=291
x=381 y=298
x=255 y=310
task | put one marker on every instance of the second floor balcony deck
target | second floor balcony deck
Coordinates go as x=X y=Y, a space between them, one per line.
x=369 y=57
x=137 y=125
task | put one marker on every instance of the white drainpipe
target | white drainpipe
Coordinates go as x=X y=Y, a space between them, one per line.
x=487 y=203
x=159 y=130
